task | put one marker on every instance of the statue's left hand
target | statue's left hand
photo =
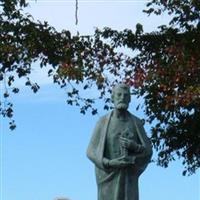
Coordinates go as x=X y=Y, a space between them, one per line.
x=131 y=144
x=126 y=143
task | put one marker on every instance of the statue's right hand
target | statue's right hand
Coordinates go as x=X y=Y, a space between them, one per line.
x=119 y=162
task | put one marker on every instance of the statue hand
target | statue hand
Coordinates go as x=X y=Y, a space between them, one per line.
x=131 y=144
x=126 y=143
x=120 y=162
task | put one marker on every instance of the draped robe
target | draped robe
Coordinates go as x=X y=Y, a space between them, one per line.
x=118 y=184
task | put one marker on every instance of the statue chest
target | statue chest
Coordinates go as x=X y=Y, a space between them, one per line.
x=116 y=129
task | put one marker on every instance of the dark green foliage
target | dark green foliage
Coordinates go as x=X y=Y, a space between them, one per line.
x=164 y=68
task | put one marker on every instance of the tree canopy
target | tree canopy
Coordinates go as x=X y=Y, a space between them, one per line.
x=163 y=68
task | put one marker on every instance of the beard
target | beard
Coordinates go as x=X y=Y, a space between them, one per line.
x=122 y=106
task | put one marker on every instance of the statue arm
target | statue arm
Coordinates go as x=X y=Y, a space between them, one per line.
x=93 y=150
x=143 y=159
x=106 y=162
x=146 y=143
x=116 y=163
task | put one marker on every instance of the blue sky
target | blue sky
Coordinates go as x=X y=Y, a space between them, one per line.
x=44 y=157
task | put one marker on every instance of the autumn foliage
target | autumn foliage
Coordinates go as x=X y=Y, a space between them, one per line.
x=163 y=67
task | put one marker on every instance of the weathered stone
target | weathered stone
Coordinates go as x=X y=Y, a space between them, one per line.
x=120 y=150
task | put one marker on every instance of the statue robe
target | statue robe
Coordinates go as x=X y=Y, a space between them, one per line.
x=118 y=184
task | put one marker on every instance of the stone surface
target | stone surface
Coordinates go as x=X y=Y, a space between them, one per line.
x=61 y=198
x=120 y=150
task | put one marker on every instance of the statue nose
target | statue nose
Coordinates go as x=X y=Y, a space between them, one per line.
x=123 y=97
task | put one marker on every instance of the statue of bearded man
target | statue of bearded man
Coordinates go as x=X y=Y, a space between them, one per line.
x=120 y=150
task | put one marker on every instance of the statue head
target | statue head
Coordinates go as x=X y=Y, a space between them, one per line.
x=121 y=96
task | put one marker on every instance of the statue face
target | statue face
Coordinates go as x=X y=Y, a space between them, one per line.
x=121 y=98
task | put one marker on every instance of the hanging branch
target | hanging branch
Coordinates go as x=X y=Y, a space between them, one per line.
x=76 y=12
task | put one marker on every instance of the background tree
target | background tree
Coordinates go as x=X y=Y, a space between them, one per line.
x=163 y=68
x=167 y=74
x=72 y=59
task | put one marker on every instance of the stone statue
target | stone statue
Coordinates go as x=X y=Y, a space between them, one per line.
x=120 y=150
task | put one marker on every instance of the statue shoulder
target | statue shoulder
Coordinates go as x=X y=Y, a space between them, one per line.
x=103 y=119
